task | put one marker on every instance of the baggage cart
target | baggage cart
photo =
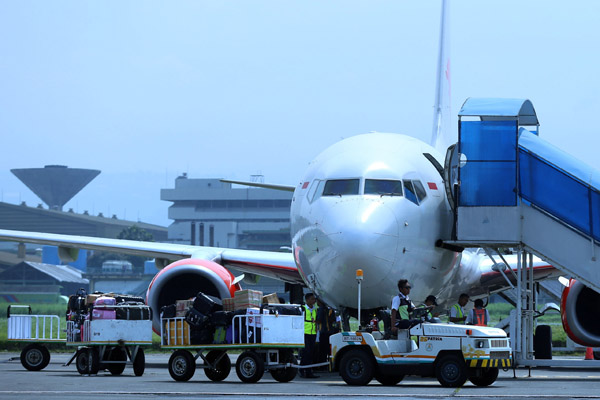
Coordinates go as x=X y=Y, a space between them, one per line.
x=268 y=342
x=35 y=330
x=111 y=343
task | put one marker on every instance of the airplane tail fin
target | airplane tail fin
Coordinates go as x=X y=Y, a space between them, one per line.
x=441 y=138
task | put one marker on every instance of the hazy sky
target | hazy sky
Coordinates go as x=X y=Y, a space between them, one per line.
x=146 y=90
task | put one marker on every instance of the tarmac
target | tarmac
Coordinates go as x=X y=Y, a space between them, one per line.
x=59 y=382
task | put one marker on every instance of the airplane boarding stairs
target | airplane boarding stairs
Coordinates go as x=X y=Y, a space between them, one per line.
x=509 y=188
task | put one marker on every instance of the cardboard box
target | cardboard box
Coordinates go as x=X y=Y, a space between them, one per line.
x=270 y=298
x=247 y=298
x=228 y=304
x=91 y=298
x=178 y=333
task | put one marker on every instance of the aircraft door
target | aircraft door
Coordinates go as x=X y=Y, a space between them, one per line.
x=451 y=165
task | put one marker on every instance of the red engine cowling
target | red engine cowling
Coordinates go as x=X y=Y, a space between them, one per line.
x=580 y=309
x=183 y=279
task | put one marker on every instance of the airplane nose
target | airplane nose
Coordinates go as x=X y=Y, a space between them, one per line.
x=359 y=233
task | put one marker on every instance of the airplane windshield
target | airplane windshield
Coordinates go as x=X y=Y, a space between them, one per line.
x=340 y=187
x=383 y=187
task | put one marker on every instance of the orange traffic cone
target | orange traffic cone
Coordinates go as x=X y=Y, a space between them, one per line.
x=589 y=354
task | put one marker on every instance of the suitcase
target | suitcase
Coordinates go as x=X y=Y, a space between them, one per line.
x=221 y=318
x=207 y=304
x=168 y=311
x=201 y=336
x=196 y=319
x=282 y=309
x=122 y=298
x=219 y=335
x=134 y=312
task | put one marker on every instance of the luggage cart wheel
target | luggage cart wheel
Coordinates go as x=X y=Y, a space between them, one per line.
x=221 y=368
x=139 y=363
x=88 y=361
x=35 y=357
x=249 y=367
x=182 y=365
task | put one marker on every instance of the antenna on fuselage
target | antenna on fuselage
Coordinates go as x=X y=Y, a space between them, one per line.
x=441 y=112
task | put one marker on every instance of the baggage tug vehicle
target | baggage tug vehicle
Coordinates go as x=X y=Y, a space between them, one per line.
x=451 y=353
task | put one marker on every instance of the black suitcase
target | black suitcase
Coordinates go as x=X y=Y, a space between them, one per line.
x=169 y=311
x=201 y=336
x=123 y=298
x=133 y=312
x=221 y=318
x=282 y=309
x=196 y=319
x=207 y=304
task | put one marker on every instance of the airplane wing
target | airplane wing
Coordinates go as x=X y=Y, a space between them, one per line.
x=265 y=263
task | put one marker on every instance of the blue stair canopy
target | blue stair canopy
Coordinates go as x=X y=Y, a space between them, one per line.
x=559 y=183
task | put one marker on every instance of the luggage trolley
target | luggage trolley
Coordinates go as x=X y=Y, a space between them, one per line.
x=37 y=330
x=268 y=342
x=110 y=343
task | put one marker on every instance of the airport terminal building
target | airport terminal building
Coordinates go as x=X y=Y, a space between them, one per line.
x=208 y=212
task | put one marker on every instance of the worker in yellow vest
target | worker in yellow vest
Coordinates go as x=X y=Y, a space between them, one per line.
x=457 y=312
x=310 y=334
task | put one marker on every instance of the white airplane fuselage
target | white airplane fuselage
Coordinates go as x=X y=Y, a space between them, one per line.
x=386 y=235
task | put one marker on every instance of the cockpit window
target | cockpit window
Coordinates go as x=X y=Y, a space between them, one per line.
x=383 y=187
x=409 y=191
x=421 y=193
x=340 y=187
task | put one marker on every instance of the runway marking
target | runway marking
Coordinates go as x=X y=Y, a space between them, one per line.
x=246 y=394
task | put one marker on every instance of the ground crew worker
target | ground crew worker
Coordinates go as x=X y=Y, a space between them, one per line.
x=457 y=312
x=310 y=335
x=430 y=301
x=479 y=315
x=402 y=306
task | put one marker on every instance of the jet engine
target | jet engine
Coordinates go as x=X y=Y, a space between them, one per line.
x=183 y=279
x=580 y=308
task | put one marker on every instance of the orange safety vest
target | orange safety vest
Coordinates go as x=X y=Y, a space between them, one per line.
x=479 y=314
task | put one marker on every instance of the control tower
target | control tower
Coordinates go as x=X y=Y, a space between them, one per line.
x=55 y=184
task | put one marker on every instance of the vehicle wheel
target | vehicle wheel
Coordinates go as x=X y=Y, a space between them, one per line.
x=486 y=377
x=139 y=363
x=284 y=374
x=221 y=370
x=249 y=367
x=35 y=357
x=83 y=359
x=357 y=368
x=451 y=371
x=388 y=380
x=117 y=354
x=182 y=365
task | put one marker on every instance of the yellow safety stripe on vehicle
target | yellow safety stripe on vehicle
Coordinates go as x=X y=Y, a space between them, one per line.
x=486 y=363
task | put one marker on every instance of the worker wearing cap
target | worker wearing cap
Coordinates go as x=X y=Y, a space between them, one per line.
x=457 y=312
x=430 y=301
x=402 y=306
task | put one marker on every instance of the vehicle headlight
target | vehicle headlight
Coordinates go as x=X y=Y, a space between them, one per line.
x=479 y=344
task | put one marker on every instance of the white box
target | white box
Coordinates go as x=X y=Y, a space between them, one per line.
x=115 y=330
x=286 y=329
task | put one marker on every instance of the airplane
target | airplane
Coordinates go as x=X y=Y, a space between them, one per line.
x=374 y=201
